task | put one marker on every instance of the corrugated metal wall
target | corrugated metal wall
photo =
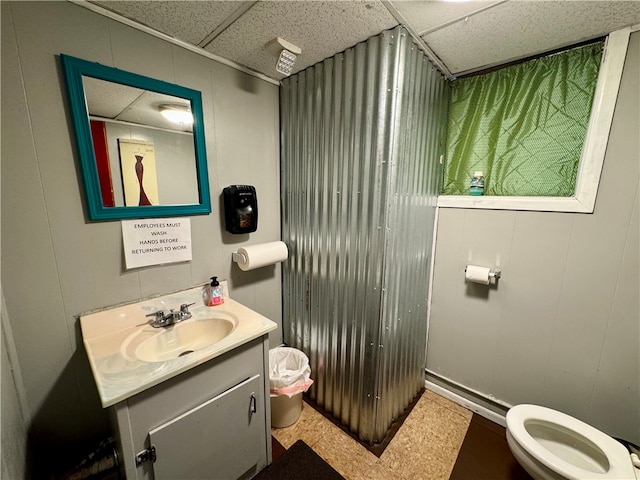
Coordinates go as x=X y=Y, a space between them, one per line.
x=361 y=138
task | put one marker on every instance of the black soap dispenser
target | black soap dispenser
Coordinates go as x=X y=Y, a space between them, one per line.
x=240 y=209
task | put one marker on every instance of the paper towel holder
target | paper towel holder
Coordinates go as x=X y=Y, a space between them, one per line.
x=238 y=257
x=262 y=255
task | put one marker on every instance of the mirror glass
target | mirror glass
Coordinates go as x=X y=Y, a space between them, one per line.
x=137 y=160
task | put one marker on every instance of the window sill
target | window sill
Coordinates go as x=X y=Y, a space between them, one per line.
x=540 y=204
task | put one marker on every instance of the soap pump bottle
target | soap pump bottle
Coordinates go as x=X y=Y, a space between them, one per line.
x=213 y=293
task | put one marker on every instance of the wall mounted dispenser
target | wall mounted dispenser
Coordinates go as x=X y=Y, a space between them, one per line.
x=240 y=209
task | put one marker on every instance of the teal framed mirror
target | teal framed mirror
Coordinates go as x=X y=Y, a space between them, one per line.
x=140 y=143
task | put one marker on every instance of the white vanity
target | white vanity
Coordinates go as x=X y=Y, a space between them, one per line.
x=190 y=400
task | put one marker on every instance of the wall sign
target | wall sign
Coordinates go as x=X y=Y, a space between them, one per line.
x=156 y=241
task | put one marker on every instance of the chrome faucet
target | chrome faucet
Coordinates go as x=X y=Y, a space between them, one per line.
x=171 y=318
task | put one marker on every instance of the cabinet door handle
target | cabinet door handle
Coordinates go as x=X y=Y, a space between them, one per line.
x=253 y=403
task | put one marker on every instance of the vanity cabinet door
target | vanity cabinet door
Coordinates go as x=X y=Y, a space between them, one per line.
x=223 y=438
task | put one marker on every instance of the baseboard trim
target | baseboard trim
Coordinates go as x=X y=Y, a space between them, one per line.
x=475 y=407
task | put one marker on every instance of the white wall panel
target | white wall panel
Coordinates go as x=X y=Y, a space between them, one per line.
x=527 y=320
x=615 y=385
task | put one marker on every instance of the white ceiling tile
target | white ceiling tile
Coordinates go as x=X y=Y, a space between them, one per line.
x=190 y=21
x=518 y=29
x=425 y=16
x=320 y=28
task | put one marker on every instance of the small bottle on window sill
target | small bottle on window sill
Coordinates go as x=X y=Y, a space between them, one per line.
x=476 y=187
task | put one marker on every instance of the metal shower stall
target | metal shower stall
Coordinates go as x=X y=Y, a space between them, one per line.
x=362 y=134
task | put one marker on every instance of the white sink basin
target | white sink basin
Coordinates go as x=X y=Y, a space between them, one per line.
x=161 y=344
x=128 y=356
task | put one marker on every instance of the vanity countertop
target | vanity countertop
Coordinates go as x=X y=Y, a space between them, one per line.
x=108 y=334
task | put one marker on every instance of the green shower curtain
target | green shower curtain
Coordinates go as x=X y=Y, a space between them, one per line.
x=523 y=126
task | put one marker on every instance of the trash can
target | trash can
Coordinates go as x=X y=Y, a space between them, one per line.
x=289 y=378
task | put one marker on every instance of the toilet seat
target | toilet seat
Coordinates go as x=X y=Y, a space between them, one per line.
x=617 y=456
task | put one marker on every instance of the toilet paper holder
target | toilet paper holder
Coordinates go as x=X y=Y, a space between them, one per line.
x=491 y=274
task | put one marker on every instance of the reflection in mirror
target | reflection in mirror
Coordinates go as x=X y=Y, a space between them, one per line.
x=127 y=123
x=135 y=161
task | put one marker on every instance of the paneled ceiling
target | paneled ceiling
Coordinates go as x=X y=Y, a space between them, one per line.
x=460 y=36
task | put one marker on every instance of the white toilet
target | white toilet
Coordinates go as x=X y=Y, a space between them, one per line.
x=553 y=446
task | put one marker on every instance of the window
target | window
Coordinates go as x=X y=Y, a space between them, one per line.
x=562 y=196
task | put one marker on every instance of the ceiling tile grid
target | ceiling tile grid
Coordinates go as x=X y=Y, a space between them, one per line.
x=465 y=36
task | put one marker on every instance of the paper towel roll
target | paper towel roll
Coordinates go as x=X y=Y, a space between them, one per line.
x=260 y=255
x=477 y=274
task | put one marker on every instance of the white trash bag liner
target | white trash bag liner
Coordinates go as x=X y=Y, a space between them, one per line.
x=289 y=371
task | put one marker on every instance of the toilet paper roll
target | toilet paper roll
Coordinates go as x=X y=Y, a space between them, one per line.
x=261 y=255
x=477 y=274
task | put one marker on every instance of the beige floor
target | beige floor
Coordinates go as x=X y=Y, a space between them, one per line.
x=425 y=447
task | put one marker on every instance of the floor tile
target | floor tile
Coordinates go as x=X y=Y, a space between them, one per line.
x=310 y=427
x=485 y=454
x=425 y=446
x=346 y=455
x=428 y=451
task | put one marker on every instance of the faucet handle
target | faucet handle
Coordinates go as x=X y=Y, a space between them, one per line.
x=157 y=316
x=184 y=308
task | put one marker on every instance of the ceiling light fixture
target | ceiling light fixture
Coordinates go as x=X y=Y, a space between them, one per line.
x=180 y=114
x=286 y=52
